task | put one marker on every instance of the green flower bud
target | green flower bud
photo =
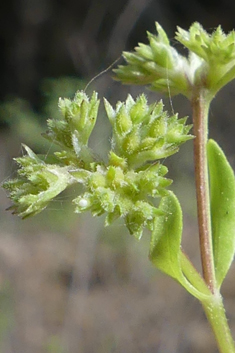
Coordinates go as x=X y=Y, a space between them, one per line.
x=157 y=64
x=141 y=215
x=123 y=122
x=217 y=54
x=158 y=127
x=161 y=54
x=139 y=110
x=97 y=179
x=117 y=161
x=123 y=193
x=130 y=143
x=37 y=185
x=79 y=117
x=153 y=134
x=115 y=177
x=210 y=63
x=145 y=52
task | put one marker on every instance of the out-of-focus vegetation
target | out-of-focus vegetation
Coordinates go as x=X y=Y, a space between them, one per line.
x=25 y=122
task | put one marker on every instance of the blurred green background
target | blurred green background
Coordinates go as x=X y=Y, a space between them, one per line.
x=67 y=285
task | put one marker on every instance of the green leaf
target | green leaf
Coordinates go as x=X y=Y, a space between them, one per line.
x=166 y=237
x=165 y=249
x=222 y=190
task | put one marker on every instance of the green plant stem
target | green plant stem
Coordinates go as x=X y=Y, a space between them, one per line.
x=192 y=275
x=200 y=106
x=213 y=305
x=215 y=313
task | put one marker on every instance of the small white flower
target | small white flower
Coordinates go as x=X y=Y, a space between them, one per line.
x=83 y=203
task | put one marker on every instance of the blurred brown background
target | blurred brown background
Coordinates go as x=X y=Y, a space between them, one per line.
x=67 y=284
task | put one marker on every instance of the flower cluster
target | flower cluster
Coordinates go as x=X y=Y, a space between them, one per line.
x=217 y=47
x=143 y=132
x=124 y=194
x=72 y=131
x=211 y=61
x=125 y=187
x=157 y=64
x=215 y=52
x=36 y=185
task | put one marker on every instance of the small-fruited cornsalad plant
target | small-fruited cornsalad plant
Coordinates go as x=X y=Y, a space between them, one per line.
x=133 y=185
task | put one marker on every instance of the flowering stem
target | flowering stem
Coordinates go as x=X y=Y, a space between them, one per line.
x=200 y=106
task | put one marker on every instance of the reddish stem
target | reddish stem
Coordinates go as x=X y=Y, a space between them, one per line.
x=200 y=106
